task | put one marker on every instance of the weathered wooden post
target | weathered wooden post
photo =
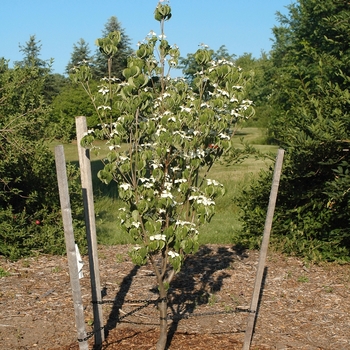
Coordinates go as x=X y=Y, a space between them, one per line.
x=263 y=249
x=86 y=182
x=70 y=245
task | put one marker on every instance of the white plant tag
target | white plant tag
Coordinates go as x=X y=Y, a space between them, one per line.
x=79 y=261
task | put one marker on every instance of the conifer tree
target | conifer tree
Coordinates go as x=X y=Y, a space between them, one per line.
x=81 y=53
x=309 y=81
x=31 y=52
x=124 y=50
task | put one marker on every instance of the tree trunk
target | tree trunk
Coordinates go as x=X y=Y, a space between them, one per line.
x=163 y=325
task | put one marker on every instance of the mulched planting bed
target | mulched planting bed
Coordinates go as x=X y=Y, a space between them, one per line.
x=301 y=307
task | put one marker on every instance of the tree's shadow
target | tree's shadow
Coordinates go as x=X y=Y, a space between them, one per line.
x=202 y=275
x=198 y=281
x=100 y=188
x=119 y=299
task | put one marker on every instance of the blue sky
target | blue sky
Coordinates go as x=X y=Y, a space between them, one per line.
x=241 y=25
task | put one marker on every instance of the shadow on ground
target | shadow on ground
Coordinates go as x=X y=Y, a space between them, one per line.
x=202 y=275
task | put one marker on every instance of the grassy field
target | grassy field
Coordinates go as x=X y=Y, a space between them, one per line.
x=226 y=220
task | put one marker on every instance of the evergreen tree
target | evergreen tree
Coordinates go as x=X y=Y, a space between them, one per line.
x=310 y=97
x=258 y=87
x=81 y=53
x=52 y=82
x=100 y=69
x=53 y=85
x=223 y=54
x=31 y=52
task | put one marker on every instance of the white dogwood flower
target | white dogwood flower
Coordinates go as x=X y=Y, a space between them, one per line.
x=156 y=165
x=205 y=201
x=224 y=136
x=159 y=130
x=104 y=107
x=184 y=223
x=185 y=109
x=168 y=185
x=213 y=182
x=104 y=90
x=166 y=194
x=158 y=237
x=180 y=180
x=173 y=254
x=202 y=200
x=125 y=186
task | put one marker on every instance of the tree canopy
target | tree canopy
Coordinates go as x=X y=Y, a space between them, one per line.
x=29 y=207
x=309 y=84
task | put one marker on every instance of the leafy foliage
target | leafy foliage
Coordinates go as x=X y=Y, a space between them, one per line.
x=258 y=88
x=70 y=103
x=53 y=85
x=29 y=207
x=310 y=96
x=254 y=71
x=174 y=135
x=190 y=66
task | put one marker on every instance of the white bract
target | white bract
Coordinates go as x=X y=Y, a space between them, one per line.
x=158 y=237
x=213 y=182
x=125 y=186
x=104 y=107
x=173 y=254
x=166 y=194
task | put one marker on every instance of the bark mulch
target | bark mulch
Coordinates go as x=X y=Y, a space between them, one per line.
x=301 y=307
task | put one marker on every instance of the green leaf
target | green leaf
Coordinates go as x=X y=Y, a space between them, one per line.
x=133 y=71
x=105 y=176
x=135 y=215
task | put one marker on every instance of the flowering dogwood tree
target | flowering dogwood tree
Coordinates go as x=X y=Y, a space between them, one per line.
x=175 y=132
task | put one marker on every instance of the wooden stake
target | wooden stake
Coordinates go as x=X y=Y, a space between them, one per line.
x=70 y=245
x=263 y=249
x=86 y=182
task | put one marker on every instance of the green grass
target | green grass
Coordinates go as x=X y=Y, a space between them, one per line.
x=225 y=222
x=255 y=136
x=235 y=178
x=71 y=151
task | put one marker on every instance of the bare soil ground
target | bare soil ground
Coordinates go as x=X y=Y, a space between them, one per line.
x=301 y=307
